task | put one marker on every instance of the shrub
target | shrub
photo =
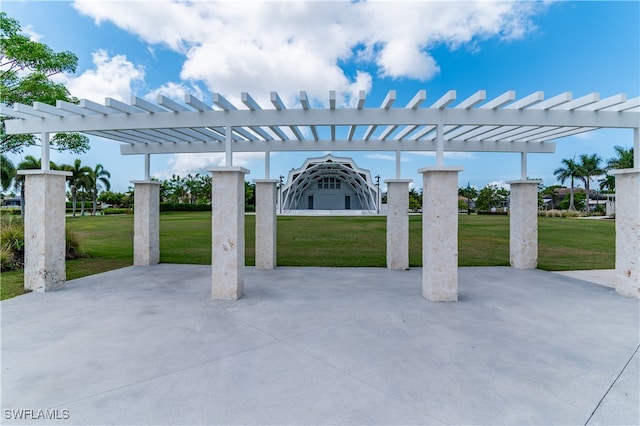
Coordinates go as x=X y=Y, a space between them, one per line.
x=12 y=242
x=12 y=234
x=498 y=212
x=571 y=213
x=562 y=213
x=10 y=211
x=6 y=258
x=72 y=245
x=113 y=210
x=183 y=207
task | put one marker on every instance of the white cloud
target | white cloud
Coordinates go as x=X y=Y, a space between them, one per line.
x=401 y=58
x=500 y=184
x=112 y=77
x=175 y=91
x=388 y=157
x=183 y=164
x=290 y=46
x=447 y=154
x=30 y=32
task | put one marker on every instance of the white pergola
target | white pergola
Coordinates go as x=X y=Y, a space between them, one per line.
x=526 y=125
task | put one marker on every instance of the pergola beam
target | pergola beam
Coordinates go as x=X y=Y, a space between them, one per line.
x=343 y=145
x=324 y=117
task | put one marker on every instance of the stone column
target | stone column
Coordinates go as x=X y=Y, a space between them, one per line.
x=523 y=224
x=440 y=233
x=398 y=224
x=227 y=224
x=266 y=223
x=627 y=279
x=146 y=222
x=44 y=229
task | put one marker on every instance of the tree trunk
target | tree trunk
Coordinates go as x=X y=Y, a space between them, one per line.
x=95 y=193
x=22 y=199
x=586 y=199
x=572 y=206
x=74 y=197
x=82 y=199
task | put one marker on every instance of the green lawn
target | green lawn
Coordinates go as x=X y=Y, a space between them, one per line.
x=185 y=237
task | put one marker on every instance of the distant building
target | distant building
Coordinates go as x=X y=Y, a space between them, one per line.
x=330 y=183
x=11 y=202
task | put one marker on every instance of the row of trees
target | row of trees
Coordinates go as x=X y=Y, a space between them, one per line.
x=84 y=182
x=196 y=189
x=585 y=170
x=588 y=167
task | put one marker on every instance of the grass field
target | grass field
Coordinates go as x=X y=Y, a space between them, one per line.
x=185 y=237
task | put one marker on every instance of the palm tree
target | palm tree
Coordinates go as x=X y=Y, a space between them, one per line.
x=589 y=167
x=78 y=180
x=608 y=183
x=29 y=162
x=7 y=173
x=100 y=180
x=622 y=160
x=569 y=171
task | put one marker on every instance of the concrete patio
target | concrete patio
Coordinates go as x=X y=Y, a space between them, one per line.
x=147 y=345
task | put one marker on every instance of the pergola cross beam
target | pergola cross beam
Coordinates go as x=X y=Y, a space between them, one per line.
x=501 y=124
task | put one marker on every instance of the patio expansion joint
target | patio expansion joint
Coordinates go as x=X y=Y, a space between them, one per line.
x=612 y=384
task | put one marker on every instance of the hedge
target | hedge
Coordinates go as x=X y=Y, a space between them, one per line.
x=182 y=207
x=113 y=210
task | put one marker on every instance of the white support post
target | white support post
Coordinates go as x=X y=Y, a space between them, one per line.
x=146 y=222
x=45 y=150
x=523 y=224
x=227 y=239
x=398 y=165
x=439 y=145
x=627 y=277
x=44 y=229
x=147 y=167
x=636 y=148
x=523 y=165
x=266 y=223
x=440 y=233
x=398 y=224
x=267 y=164
x=227 y=147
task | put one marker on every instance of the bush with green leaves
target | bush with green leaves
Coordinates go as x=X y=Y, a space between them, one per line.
x=113 y=210
x=11 y=242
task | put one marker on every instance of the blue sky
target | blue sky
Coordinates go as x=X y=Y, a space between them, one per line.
x=147 y=48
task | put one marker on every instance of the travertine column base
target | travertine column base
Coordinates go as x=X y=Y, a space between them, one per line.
x=44 y=229
x=440 y=233
x=523 y=224
x=146 y=223
x=627 y=280
x=398 y=224
x=227 y=224
x=266 y=223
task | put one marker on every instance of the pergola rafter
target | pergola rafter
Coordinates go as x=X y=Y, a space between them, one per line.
x=501 y=124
